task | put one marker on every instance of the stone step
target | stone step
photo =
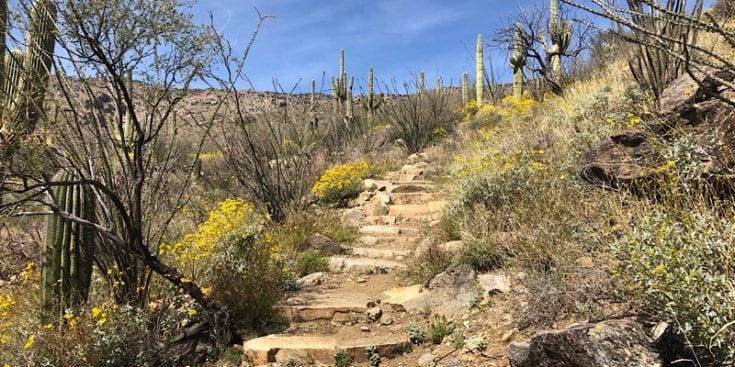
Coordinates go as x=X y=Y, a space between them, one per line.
x=381 y=253
x=361 y=265
x=387 y=230
x=413 y=198
x=409 y=210
x=338 y=307
x=319 y=350
x=411 y=187
x=395 y=242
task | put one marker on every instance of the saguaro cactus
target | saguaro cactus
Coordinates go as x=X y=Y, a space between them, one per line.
x=518 y=61
x=341 y=92
x=560 y=32
x=480 y=71
x=422 y=83
x=339 y=84
x=438 y=84
x=69 y=249
x=372 y=104
x=23 y=100
x=465 y=89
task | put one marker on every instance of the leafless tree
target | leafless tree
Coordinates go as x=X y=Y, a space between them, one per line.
x=535 y=43
x=119 y=137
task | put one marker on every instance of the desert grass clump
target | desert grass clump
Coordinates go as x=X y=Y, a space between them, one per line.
x=439 y=328
x=340 y=182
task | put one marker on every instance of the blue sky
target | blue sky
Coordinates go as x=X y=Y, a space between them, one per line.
x=398 y=38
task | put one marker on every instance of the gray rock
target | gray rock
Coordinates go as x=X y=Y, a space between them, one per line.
x=452 y=291
x=424 y=247
x=494 y=283
x=353 y=217
x=452 y=362
x=611 y=343
x=376 y=208
x=311 y=280
x=373 y=313
x=324 y=244
x=426 y=359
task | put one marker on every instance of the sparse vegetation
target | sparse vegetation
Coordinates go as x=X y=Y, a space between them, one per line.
x=139 y=228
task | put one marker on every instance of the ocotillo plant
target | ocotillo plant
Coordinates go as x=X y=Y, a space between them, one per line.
x=517 y=62
x=465 y=89
x=68 y=253
x=560 y=32
x=23 y=100
x=480 y=71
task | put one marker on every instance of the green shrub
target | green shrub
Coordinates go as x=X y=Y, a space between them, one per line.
x=373 y=356
x=311 y=261
x=247 y=279
x=342 y=358
x=416 y=334
x=683 y=264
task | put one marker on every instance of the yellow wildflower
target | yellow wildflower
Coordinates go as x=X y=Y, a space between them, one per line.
x=48 y=326
x=96 y=311
x=29 y=342
x=191 y=312
x=659 y=270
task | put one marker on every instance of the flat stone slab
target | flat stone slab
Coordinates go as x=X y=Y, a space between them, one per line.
x=405 y=298
x=338 y=307
x=380 y=253
x=378 y=229
x=338 y=264
x=398 y=242
x=409 y=210
x=413 y=198
x=279 y=349
x=319 y=350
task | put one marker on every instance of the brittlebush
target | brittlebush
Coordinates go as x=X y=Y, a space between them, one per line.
x=340 y=182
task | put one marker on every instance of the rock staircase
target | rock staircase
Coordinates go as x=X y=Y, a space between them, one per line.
x=359 y=303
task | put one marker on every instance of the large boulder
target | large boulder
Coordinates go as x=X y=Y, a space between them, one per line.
x=622 y=160
x=611 y=343
x=689 y=105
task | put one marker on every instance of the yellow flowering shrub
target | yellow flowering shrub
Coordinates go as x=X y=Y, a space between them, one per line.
x=190 y=253
x=340 y=182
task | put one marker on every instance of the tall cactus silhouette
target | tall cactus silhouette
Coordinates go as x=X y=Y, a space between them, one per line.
x=339 y=84
x=518 y=61
x=479 y=72
x=372 y=103
x=69 y=249
x=438 y=84
x=422 y=83
x=342 y=92
x=465 y=89
x=560 y=32
x=22 y=100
